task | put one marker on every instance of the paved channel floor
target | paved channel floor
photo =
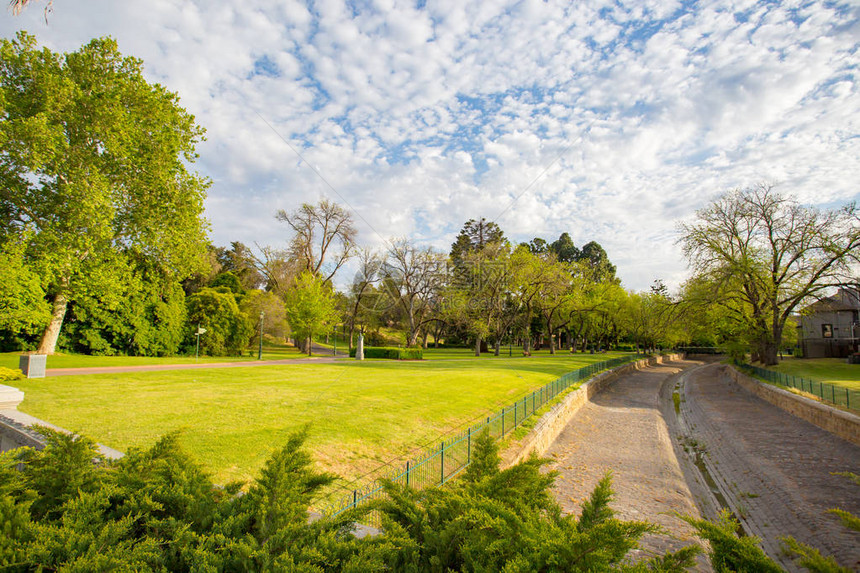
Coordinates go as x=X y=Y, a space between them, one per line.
x=775 y=470
x=772 y=469
x=624 y=430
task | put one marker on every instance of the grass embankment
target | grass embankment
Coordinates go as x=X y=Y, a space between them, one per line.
x=831 y=370
x=361 y=413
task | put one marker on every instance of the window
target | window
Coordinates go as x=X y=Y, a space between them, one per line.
x=827 y=330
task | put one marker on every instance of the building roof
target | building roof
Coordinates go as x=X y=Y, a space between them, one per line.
x=844 y=299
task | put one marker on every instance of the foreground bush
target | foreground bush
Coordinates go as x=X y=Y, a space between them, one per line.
x=66 y=508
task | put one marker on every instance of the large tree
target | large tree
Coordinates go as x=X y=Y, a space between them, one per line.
x=310 y=307
x=94 y=169
x=765 y=255
x=414 y=276
x=324 y=236
x=475 y=236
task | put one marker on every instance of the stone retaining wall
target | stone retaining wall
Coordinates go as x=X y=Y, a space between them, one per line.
x=15 y=435
x=553 y=422
x=843 y=424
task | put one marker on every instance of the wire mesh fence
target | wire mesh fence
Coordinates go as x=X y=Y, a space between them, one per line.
x=438 y=464
x=839 y=395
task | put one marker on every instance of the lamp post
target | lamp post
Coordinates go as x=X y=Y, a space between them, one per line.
x=334 y=352
x=260 y=348
x=510 y=344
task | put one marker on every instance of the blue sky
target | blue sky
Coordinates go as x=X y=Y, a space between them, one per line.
x=608 y=120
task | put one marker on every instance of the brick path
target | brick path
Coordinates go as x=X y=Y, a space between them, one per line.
x=774 y=469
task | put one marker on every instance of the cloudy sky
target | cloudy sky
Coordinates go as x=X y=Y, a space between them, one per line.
x=609 y=120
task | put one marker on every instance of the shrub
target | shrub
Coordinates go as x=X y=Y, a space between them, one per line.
x=7 y=374
x=390 y=353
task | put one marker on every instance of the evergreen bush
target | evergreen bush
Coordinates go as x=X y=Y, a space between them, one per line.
x=8 y=374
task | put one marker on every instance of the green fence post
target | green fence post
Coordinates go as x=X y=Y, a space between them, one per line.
x=442 y=462
x=469 y=446
x=407 y=473
x=503 y=420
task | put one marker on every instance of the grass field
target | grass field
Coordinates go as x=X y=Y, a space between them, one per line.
x=831 y=370
x=361 y=413
x=10 y=359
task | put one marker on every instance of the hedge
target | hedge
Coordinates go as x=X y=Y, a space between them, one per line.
x=8 y=374
x=390 y=353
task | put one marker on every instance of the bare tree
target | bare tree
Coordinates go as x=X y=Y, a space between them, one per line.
x=17 y=6
x=414 y=276
x=771 y=255
x=279 y=270
x=369 y=273
x=324 y=236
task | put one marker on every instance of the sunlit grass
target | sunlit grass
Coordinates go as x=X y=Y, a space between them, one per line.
x=832 y=370
x=361 y=413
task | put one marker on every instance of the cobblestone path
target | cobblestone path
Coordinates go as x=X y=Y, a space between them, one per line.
x=624 y=430
x=772 y=469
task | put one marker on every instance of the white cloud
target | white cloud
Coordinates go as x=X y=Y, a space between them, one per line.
x=608 y=120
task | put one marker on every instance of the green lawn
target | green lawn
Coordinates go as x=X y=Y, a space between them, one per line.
x=361 y=413
x=832 y=370
x=10 y=359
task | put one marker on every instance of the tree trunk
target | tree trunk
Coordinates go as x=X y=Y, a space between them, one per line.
x=498 y=346
x=477 y=346
x=308 y=345
x=48 y=344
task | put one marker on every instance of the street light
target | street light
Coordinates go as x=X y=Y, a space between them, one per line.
x=260 y=348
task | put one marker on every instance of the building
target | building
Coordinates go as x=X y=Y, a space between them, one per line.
x=830 y=328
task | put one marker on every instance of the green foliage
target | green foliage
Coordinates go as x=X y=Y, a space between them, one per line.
x=485 y=458
x=143 y=316
x=7 y=374
x=310 y=306
x=22 y=298
x=94 y=170
x=228 y=280
x=227 y=328
x=507 y=521
x=729 y=552
x=810 y=558
x=390 y=353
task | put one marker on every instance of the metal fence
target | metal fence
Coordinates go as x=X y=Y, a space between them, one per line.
x=440 y=463
x=839 y=395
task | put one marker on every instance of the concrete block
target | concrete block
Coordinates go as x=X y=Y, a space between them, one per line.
x=33 y=365
x=10 y=397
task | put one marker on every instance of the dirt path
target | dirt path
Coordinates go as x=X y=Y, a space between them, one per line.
x=774 y=470
x=624 y=430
